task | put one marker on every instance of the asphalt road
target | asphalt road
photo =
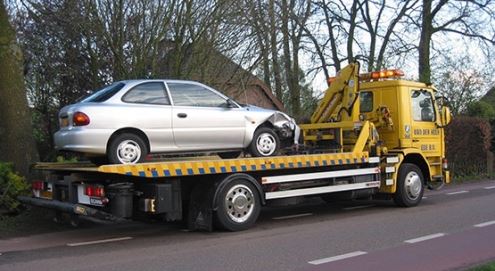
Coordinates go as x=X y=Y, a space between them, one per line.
x=452 y=229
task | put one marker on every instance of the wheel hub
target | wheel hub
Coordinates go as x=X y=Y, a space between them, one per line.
x=413 y=185
x=239 y=203
x=128 y=151
x=266 y=144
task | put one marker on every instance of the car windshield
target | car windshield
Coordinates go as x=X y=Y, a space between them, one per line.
x=104 y=94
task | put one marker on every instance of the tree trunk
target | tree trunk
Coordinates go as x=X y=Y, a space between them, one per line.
x=424 y=68
x=15 y=123
x=274 y=51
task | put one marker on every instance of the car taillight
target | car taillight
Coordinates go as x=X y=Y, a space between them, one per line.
x=38 y=185
x=80 y=119
x=94 y=191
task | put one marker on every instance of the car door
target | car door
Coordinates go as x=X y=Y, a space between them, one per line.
x=202 y=119
x=148 y=109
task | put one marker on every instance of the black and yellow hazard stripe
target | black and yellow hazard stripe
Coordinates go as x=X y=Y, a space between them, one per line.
x=201 y=167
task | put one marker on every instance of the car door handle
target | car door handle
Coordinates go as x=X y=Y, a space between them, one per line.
x=182 y=115
x=415 y=140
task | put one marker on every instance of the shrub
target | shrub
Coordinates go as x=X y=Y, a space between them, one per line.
x=11 y=185
x=468 y=140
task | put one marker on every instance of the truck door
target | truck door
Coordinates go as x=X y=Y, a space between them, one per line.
x=425 y=133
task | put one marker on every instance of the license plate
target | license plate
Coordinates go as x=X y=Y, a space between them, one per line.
x=95 y=201
x=64 y=122
x=46 y=194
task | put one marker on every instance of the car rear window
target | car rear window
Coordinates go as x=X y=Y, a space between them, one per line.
x=147 y=93
x=104 y=94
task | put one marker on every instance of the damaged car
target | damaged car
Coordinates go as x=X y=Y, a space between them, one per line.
x=125 y=122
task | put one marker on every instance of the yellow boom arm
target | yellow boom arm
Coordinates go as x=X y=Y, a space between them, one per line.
x=340 y=96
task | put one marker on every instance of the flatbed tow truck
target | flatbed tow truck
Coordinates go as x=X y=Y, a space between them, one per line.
x=373 y=135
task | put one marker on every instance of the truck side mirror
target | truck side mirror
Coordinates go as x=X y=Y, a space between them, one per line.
x=445 y=116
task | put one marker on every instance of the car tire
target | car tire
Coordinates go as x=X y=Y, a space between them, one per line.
x=239 y=205
x=229 y=155
x=410 y=186
x=265 y=143
x=127 y=148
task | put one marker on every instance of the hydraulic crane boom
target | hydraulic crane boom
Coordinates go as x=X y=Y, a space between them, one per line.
x=341 y=95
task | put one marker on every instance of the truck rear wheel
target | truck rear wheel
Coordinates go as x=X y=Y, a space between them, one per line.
x=410 y=186
x=239 y=205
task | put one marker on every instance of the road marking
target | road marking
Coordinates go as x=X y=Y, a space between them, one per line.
x=292 y=216
x=424 y=238
x=99 y=241
x=358 y=207
x=338 y=258
x=457 y=192
x=425 y=197
x=484 y=224
x=490 y=187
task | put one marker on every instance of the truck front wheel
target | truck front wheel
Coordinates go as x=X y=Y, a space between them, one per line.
x=410 y=186
x=238 y=205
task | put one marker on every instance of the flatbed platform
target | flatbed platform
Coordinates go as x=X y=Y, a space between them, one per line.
x=212 y=165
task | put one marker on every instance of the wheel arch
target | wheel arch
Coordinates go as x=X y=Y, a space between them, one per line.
x=419 y=160
x=131 y=130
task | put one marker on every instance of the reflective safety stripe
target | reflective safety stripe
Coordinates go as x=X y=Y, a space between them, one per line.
x=200 y=167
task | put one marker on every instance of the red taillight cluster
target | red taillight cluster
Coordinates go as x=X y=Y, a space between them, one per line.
x=94 y=191
x=80 y=119
x=38 y=185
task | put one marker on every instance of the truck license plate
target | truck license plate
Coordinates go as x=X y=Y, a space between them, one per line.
x=95 y=201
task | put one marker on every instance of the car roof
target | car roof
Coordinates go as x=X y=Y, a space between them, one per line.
x=157 y=79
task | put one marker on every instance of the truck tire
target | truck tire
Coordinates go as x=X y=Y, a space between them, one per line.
x=265 y=143
x=410 y=186
x=127 y=148
x=239 y=205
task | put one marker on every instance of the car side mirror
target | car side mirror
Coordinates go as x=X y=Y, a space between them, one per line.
x=231 y=104
x=445 y=116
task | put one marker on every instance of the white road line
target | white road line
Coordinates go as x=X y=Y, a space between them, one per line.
x=489 y=187
x=457 y=192
x=292 y=216
x=358 y=207
x=99 y=241
x=338 y=258
x=424 y=238
x=425 y=197
x=484 y=224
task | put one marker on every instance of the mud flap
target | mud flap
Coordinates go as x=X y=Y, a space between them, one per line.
x=200 y=215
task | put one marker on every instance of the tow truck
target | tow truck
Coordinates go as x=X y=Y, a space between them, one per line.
x=373 y=135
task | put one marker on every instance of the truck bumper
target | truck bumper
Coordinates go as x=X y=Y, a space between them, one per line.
x=71 y=208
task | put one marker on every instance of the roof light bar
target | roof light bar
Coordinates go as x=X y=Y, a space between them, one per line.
x=374 y=75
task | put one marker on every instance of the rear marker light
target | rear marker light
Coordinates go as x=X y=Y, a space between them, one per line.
x=80 y=119
x=94 y=191
x=38 y=185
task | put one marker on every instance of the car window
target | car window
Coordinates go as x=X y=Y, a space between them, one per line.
x=104 y=94
x=366 y=101
x=184 y=94
x=422 y=106
x=148 y=93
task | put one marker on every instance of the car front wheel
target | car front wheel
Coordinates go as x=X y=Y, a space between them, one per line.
x=127 y=148
x=265 y=143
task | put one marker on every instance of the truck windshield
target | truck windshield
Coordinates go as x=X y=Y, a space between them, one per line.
x=104 y=93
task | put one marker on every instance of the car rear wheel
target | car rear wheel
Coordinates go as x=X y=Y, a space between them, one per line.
x=127 y=148
x=265 y=143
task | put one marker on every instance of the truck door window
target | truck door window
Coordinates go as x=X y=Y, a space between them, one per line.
x=422 y=106
x=366 y=101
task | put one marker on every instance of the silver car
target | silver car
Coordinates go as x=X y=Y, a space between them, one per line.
x=128 y=120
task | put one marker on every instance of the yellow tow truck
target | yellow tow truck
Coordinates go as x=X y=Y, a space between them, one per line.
x=372 y=135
